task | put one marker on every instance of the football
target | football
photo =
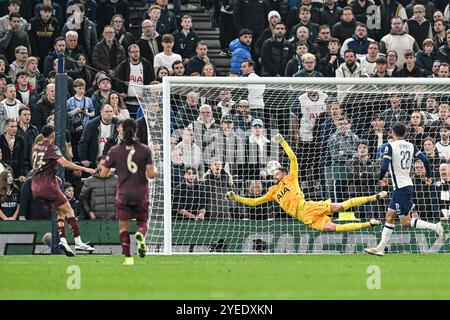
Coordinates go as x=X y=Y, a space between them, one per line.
x=272 y=166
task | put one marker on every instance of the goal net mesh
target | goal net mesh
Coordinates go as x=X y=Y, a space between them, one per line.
x=220 y=141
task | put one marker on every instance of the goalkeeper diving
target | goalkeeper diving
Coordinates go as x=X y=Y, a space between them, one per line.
x=316 y=214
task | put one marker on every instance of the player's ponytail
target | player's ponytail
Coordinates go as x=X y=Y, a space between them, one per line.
x=129 y=127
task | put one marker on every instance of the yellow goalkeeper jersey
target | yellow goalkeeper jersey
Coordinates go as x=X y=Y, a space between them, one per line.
x=287 y=192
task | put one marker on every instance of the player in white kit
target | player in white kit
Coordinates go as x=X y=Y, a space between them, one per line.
x=398 y=158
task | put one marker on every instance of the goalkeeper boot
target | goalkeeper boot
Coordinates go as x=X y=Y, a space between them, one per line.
x=64 y=246
x=440 y=231
x=374 y=222
x=129 y=261
x=381 y=195
x=141 y=246
x=374 y=251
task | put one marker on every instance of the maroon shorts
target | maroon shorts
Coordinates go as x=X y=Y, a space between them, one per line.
x=129 y=212
x=51 y=197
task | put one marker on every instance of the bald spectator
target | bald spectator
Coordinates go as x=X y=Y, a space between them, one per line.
x=150 y=41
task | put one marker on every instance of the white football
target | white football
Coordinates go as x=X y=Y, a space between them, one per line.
x=272 y=166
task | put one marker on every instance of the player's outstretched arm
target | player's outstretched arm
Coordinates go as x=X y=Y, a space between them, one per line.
x=72 y=166
x=292 y=157
x=247 y=201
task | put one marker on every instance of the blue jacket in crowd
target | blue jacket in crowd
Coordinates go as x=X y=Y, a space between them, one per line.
x=240 y=52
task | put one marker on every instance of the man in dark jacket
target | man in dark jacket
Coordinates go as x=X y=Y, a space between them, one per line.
x=150 y=41
x=332 y=60
x=429 y=8
x=167 y=17
x=15 y=156
x=275 y=53
x=43 y=31
x=444 y=51
x=28 y=132
x=189 y=199
x=346 y=27
x=186 y=39
x=305 y=20
x=196 y=63
x=410 y=69
x=95 y=135
x=108 y=53
x=251 y=14
x=124 y=37
x=330 y=14
x=13 y=38
x=98 y=194
x=44 y=107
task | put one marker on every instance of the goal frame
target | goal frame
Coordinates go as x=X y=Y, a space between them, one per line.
x=166 y=91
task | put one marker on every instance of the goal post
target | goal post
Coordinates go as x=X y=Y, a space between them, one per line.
x=325 y=121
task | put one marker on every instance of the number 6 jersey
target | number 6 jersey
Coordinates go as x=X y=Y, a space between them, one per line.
x=130 y=163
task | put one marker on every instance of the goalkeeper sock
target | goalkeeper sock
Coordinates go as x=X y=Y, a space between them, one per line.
x=385 y=236
x=125 y=242
x=72 y=221
x=61 y=227
x=354 y=202
x=351 y=226
x=420 y=224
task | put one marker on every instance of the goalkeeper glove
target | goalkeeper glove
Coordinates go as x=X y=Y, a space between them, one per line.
x=278 y=138
x=231 y=195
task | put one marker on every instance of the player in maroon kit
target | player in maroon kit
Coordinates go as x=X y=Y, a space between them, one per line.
x=45 y=187
x=134 y=164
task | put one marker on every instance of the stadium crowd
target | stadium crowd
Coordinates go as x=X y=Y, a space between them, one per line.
x=221 y=138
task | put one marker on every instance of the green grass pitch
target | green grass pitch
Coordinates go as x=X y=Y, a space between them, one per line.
x=222 y=277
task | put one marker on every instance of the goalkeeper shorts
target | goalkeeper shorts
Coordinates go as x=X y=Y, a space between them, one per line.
x=315 y=214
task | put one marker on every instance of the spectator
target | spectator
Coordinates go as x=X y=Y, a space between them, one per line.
x=392 y=58
x=304 y=14
x=444 y=70
x=443 y=192
x=323 y=40
x=362 y=178
x=84 y=26
x=166 y=19
x=293 y=17
x=345 y=28
x=162 y=72
x=9 y=197
x=330 y=14
x=255 y=92
x=120 y=110
x=204 y=127
x=264 y=211
x=424 y=194
x=429 y=8
x=81 y=70
x=280 y=6
x=435 y=69
x=398 y=41
x=302 y=34
x=443 y=115
x=381 y=68
x=189 y=199
x=342 y=146
x=104 y=89
x=387 y=10
x=295 y=64
x=166 y=58
x=416 y=131
x=190 y=153
x=369 y=61
x=178 y=68
x=11 y=105
x=376 y=136
x=418 y=26
x=97 y=195
x=443 y=145
x=43 y=31
x=13 y=148
x=217 y=182
x=208 y=70
x=13 y=8
x=227 y=30
x=69 y=192
x=189 y=112
x=185 y=39
x=90 y=6
x=429 y=149
x=444 y=51
x=361 y=9
x=331 y=61
x=410 y=69
x=73 y=48
x=44 y=107
x=111 y=11
x=108 y=53
x=59 y=47
x=24 y=92
x=13 y=38
x=251 y=15
x=95 y=135
x=150 y=43
x=394 y=113
x=56 y=9
x=240 y=49
x=440 y=38
x=431 y=109
x=243 y=118
x=30 y=208
x=309 y=66
x=426 y=57
x=359 y=42
x=273 y=17
x=28 y=132
x=350 y=68
x=35 y=79
x=197 y=62
x=275 y=53
x=3 y=165
x=225 y=106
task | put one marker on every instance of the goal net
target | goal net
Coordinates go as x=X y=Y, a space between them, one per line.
x=213 y=135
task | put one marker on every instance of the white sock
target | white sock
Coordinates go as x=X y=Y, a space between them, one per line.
x=420 y=224
x=63 y=240
x=78 y=240
x=385 y=236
